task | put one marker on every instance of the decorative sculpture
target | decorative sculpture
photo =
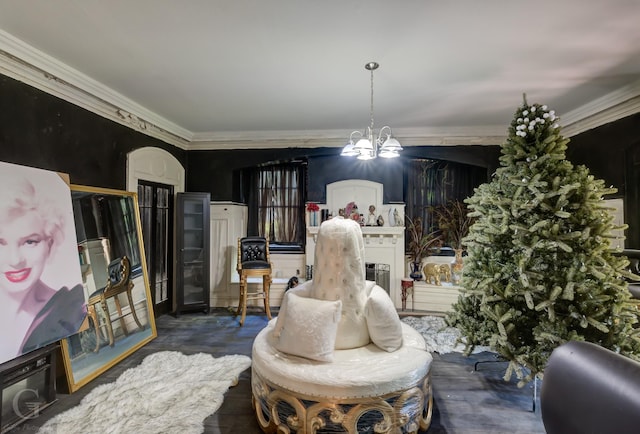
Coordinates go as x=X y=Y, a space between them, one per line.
x=435 y=272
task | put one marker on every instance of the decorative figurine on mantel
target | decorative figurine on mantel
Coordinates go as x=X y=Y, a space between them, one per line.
x=351 y=212
x=372 y=219
x=396 y=217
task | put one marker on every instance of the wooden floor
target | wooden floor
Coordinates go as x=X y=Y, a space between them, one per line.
x=466 y=401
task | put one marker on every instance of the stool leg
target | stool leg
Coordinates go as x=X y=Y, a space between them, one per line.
x=243 y=298
x=133 y=309
x=107 y=318
x=266 y=286
x=243 y=281
x=123 y=326
x=91 y=313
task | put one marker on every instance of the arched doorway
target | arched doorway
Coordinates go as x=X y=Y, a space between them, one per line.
x=157 y=176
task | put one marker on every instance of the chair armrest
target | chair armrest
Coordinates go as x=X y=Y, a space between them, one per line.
x=588 y=388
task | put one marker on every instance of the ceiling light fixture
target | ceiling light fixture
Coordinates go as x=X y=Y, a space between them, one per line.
x=369 y=145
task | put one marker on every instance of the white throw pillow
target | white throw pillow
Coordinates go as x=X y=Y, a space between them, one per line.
x=309 y=327
x=303 y=290
x=383 y=322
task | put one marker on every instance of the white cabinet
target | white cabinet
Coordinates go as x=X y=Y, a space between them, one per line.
x=228 y=223
x=433 y=298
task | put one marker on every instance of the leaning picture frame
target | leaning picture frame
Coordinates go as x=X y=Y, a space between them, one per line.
x=41 y=296
x=119 y=306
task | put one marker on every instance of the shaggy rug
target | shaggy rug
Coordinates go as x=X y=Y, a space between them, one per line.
x=169 y=392
x=440 y=338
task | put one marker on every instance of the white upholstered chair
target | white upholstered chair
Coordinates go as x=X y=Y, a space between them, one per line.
x=338 y=358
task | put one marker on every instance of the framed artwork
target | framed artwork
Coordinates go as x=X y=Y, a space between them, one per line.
x=110 y=253
x=41 y=294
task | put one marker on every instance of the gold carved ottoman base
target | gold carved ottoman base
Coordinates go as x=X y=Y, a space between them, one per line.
x=282 y=411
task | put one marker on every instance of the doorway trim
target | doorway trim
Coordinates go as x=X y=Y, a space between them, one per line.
x=158 y=166
x=155 y=165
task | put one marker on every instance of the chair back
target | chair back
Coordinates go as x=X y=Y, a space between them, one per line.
x=253 y=253
x=119 y=272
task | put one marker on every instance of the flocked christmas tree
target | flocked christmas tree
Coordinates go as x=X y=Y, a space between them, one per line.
x=540 y=269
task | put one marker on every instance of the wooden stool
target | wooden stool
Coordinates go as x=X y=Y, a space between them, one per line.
x=253 y=261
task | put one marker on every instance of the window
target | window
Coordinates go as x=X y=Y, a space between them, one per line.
x=431 y=183
x=278 y=205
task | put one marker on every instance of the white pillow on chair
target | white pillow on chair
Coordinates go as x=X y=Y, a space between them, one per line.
x=309 y=327
x=383 y=322
x=303 y=290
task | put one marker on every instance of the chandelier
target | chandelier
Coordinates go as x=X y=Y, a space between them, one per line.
x=369 y=145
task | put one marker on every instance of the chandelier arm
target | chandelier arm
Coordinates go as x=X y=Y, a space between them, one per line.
x=381 y=133
x=355 y=132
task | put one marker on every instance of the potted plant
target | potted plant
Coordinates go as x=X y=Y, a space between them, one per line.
x=420 y=245
x=454 y=222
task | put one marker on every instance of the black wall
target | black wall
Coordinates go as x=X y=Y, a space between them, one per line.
x=40 y=130
x=603 y=150
x=43 y=131
x=218 y=171
x=612 y=153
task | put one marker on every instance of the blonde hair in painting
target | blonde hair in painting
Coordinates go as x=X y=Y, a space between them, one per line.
x=20 y=196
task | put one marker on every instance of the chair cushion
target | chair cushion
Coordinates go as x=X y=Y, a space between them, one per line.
x=354 y=373
x=309 y=327
x=383 y=322
x=255 y=265
x=97 y=292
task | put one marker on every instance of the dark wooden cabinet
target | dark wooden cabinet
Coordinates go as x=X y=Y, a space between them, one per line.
x=28 y=387
x=192 y=252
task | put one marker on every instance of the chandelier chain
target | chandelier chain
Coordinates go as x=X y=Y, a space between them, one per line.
x=371 y=109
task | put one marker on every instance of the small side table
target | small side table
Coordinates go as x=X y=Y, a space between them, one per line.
x=406 y=285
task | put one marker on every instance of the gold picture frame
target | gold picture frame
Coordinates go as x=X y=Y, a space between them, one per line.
x=108 y=229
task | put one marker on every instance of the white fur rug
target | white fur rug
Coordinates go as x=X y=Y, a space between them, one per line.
x=440 y=338
x=169 y=392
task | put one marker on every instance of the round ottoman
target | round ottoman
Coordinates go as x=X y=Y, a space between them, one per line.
x=364 y=389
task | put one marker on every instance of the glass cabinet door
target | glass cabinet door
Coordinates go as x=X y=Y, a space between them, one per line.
x=193 y=251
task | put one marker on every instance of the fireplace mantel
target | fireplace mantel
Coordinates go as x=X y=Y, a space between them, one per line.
x=369 y=233
x=382 y=244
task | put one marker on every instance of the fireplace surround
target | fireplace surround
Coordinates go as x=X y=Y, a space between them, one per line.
x=384 y=245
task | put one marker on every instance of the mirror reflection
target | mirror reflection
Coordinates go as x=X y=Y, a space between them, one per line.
x=119 y=310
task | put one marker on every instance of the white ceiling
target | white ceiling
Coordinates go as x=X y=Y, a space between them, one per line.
x=215 y=71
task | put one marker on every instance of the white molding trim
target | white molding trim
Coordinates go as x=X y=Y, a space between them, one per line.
x=25 y=63
x=155 y=165
x=483 y=135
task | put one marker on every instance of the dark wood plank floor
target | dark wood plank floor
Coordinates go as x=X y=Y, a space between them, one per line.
x=466 y=401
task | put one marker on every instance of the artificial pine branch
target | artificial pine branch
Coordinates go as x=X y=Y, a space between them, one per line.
x=541 y=270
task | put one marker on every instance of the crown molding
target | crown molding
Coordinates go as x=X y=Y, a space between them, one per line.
x=35 y=68
x=454 y=136
x=25 y=63
x=616 y=105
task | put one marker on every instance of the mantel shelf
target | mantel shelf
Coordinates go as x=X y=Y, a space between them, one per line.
x=367 y=230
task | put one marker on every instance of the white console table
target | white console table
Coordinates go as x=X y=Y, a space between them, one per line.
x=433 y=298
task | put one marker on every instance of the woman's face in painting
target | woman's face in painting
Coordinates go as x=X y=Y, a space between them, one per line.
x=24 y=250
